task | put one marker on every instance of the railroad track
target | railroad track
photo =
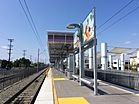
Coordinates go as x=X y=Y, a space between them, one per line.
x=3 y=79
x=7 y=79
x=28 y=93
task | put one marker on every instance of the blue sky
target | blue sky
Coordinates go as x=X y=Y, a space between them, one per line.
x=55 y=15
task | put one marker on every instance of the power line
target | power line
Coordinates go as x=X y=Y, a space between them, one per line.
x=18 y=51
x=31 y=24
x=32 y=21
x=42 y=52
x=119 y=20
x=115 y=14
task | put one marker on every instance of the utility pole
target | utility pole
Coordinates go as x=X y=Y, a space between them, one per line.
x=35 y=60
x=10 y=48
x=31 y=58
x=45 y=61
x=38 y=60
x=24 y=53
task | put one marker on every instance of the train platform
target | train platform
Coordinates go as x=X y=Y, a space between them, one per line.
x=57 y=89
x=45 y=95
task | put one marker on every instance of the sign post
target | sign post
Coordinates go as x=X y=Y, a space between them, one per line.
x=89 y=38
x=94 y=56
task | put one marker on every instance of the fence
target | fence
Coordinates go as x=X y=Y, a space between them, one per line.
x=8 y=77
x=123 y=78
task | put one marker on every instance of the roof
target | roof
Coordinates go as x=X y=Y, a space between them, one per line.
x=133 y=52
x=60 y=44
x=119 y=50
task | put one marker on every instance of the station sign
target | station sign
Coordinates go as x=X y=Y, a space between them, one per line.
x=88 y=27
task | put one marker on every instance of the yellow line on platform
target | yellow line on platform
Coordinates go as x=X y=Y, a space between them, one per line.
x=47 y=70
x=54 y=93
x=58 y=79
x=73 y=100
x=70 y=100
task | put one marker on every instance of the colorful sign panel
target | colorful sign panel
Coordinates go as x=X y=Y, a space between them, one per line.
x=88 y=27
x=62 y=38
x=76 y=39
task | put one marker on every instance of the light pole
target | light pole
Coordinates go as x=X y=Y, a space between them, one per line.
x=81 y=54
x=95 y=55
x=81 y=57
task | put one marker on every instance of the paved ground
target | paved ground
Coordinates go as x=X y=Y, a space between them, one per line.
x=70 y=92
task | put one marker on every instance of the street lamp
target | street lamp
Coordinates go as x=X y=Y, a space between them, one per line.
x=80 y=27
x=73 y=26
x=81 y=54
x=81 y=60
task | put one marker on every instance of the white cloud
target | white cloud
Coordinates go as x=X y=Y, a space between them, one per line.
x=127 y=42
x=4 y=47
x=134 y=34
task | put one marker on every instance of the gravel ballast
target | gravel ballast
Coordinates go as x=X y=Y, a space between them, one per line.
x=13 y=89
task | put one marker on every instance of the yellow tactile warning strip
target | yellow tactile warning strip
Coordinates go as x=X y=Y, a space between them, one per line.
x=54 y=92
x=73 y=100
x=70 y=100
x=137 y=94
x=58 y=79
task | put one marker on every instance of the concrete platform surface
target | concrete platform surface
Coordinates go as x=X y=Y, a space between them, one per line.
x=45 y=95
x=70 y=92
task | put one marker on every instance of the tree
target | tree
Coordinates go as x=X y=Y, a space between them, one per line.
x=25 y=62
x=9 y=65
x=16 y=63
x=6 y=64
x=22 y=62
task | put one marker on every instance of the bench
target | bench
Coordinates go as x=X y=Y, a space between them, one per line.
x=87 y=80
x=75 y=77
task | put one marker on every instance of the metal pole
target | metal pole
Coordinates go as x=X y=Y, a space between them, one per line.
x=81 y=58
x=104 y=56
x=138 y=61
x=94 y=55
x=129 y=65
x=110 y=61
x=31 y=58
x=73 y=63
x=91 y=58
x=122 y=62
x=117 y=64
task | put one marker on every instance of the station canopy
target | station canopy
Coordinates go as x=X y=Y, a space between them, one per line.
x=119 y=50
x=60 y=44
